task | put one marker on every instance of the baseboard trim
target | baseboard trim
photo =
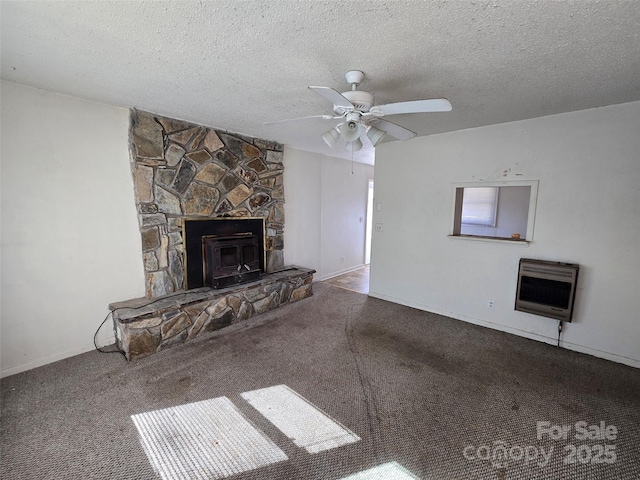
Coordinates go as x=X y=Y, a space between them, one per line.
x=39 y=362
x=514 y=331
x=337 y=274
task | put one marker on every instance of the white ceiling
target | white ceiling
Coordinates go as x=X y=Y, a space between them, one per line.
x=236 y=64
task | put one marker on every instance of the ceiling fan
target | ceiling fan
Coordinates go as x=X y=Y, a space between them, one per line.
x=357 y=114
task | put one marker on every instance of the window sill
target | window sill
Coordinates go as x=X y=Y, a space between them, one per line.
x=503 y=241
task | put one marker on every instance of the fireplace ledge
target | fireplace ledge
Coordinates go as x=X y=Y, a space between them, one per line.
x=145 y=326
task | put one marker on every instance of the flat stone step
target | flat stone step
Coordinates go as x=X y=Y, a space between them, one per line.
x=144 y=326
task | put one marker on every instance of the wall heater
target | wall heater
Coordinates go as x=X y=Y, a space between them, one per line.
x=547 y=288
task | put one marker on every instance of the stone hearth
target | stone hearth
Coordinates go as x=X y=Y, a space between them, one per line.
x=144 y=327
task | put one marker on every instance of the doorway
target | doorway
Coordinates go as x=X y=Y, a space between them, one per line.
x=369 y=225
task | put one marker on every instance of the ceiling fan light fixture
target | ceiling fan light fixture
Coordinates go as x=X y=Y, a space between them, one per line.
x=350 y=130
x=375 y=135
x=355 y=145
x=331 y=137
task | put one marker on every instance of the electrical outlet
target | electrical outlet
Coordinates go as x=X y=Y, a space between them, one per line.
x=378 y=227
x=491 y=305
x=341 y=259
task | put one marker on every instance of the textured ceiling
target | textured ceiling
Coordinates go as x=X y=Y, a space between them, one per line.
x=236 y=64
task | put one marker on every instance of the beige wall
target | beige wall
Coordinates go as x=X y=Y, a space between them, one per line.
x=324 y=206
x=588 y=167
x=70 y=239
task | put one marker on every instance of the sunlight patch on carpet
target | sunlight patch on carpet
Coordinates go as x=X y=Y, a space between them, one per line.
x=386 y=471
x=298 y=419
x=209 y=440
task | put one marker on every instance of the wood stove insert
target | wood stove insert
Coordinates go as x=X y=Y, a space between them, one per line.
x=229 y=260
x=222 y=252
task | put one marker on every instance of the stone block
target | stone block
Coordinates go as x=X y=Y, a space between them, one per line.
x=200 y=322
x=150 y=239
x=212 y=142
x=235 y=145
x=276 y=215
x=245 y=311
x=200 y=157
x=275 y=260
x=171 y=126
x=147 y=137
x=162 y=252
x=210 y=174
x=185 y=136
x=146 y=323
x=175 y=325
x=174 y=154
x=226 y=158
x=285 y=292
x=234 y=302
x=264 y=144
x=174 y=340
x=183 y=178
x=253 y=294
x=257 y=165
x=153 y=220
x=174 y=223
x=158 y=284
x=222 y=319
x=195 y=309
x=176 y=268
x=151 y=162
x=150 y=261
x=165 y=176
x=216 y=307
x=167 y=202
x=238 y=195
x=258 y=200
x=197 y=139
x=229 y=182
x=175 y=238
x=143 y=183
x=239 y=212
x=267 y=182
x=199 y=200
x=147 y=208
x=278 y=193
x=266 y=303
x=224 y=206
x=141 y=343
x=249 y=151
x=301 y=292
x=275 y=157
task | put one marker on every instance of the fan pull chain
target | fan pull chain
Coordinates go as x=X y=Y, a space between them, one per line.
x=351 y=158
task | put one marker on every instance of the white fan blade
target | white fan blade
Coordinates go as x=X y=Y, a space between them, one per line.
x=392 y=129
x=333 y=96
x=323 y=117
x=417 y=106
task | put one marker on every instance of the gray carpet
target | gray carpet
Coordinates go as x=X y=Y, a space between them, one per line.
x=440 y=397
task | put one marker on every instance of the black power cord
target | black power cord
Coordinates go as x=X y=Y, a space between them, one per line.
x=95 y=335
x=559 y=331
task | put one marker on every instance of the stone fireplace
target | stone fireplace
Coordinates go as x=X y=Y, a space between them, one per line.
x=211 y=213
x=184 y=171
